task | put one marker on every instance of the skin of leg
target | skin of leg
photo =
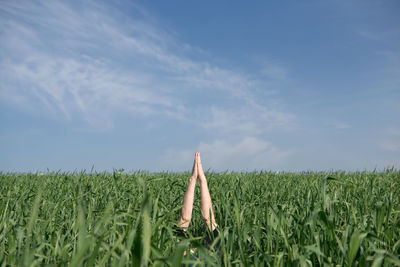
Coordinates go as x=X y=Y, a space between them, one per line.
x=187 y=207
x=206 y=203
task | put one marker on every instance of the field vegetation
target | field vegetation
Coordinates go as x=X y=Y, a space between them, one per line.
x=265 y=219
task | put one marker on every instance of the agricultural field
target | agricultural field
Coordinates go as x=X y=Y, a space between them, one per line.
x=265 y=219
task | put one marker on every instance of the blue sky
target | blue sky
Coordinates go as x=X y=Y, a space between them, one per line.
x=142 y=85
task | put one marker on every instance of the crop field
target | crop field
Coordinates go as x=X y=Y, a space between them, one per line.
x=265 y=219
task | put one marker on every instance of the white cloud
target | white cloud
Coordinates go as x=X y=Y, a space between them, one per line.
x=249 y=153
x=85 y=86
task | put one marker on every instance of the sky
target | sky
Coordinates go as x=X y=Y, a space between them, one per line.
x=143 y=85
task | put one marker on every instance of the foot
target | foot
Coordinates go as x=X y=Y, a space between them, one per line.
x=195 y=169
x=200 y=168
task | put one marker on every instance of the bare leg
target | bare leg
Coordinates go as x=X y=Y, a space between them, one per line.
x=186 y=212
x=206 y=204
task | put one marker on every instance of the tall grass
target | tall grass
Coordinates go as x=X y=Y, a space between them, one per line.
x=265 y=219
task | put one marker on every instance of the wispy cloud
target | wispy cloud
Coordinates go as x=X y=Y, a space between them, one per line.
x=50 y=56
x=86 y=86
x=93 y=60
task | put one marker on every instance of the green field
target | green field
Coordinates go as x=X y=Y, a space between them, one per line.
x=265 y=218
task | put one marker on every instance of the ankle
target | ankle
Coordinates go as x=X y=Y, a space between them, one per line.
x=202 y=178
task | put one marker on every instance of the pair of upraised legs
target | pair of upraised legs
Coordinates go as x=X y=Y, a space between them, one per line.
x=206 y=204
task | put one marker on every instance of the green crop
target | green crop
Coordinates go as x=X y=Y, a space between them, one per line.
x=265 y=219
